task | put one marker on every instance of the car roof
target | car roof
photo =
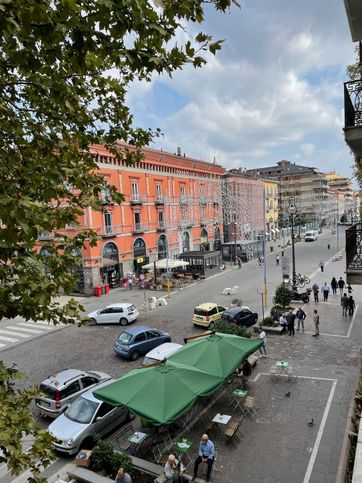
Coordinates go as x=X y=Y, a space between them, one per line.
x=125 y=304
x=89 y=394
x=62 y=377
x=163 y=350
x=235 y=310
x=207 y=306
x=137 y=329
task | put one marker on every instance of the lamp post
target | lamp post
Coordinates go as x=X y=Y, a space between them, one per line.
x=234 y=235
x=292 y=211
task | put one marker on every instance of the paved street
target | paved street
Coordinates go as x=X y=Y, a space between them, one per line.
x=277 y=445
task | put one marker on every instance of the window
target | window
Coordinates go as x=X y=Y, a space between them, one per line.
x=140 y=337
x=88 y=381
x=108 y=222
x=137 y=220
x=104 y=410
x=152 y=334
x=182 y=190
x=71 y=389
x=135 y=194
x=160 y=217
x=213 y=311
x=116 y=310
x=159 y=191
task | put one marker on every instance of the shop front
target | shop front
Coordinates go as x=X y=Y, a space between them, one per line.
x=139 y=255
x=204 y=241
x=162 y=247
x=110 y=270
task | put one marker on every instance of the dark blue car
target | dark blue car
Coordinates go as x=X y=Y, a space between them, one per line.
x=137 y=341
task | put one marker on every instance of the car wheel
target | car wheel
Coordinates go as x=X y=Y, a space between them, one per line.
x=123 y=321
x=135 y=355
x=92 y=321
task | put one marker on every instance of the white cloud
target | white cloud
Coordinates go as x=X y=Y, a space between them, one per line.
x=274 y=92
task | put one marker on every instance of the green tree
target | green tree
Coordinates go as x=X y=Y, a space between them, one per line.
x=283 y=296
x=65 y=66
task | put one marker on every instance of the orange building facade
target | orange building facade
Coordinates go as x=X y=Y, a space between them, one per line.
x=172 y=204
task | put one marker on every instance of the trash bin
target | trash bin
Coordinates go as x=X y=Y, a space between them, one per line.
x=106 y=287
x=98 y=291
x=271 y=249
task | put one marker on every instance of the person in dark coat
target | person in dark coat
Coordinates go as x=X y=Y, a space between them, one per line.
x=341 y=284
x=290 y=320
x=334 y=285
x=351 y=305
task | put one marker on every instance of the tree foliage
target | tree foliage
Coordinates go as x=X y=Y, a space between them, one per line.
x=65 y=66
x=283 y=296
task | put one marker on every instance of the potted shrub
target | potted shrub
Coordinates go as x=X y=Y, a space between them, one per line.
x=229 y=328
x=106 y=461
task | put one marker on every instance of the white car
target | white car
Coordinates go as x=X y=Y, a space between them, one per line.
x=160 y=353
x=122 y=314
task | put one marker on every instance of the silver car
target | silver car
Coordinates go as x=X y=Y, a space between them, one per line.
x=86 y=421
x=61 y=389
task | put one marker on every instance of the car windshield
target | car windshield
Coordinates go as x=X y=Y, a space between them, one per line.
x=201 y=312
x=125 y=338
x=131 y=308
x=82 y=410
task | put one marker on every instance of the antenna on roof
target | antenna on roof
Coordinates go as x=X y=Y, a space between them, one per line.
x=214 y=160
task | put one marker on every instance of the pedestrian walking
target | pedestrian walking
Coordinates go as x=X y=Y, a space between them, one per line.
x=291 y=319
x=321 y=264
x=316 y=323
x=130 y=281
x=334 y=285
x=325 y=290
x=344 y=303
x=315 y=289
x=341 y=284
x=351 y=306
x=349 y=289
x=300 y=316
x=329 y=246
x=262 y=337
x=277 y=259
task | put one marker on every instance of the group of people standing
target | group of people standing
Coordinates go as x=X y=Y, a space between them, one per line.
x=288 y=320
x=347 y=301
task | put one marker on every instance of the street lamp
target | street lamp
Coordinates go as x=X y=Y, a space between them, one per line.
x=234 y=235
x=292 y=211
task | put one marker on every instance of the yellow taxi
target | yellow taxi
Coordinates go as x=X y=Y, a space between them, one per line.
x=207 y=313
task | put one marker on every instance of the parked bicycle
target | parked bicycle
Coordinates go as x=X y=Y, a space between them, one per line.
x=300 y=280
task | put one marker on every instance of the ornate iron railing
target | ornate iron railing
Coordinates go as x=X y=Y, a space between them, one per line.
x=354 y=247
x=353 y=103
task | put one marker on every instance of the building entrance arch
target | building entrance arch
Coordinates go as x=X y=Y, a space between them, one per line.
x=110 y=270
x=139 y=255
x=204 y=241
x=162 y=247
x=185 y=241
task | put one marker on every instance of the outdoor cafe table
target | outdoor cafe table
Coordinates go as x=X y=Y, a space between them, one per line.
x=282 y=367
x=137 y=439
x=238 y=396
x=221 y=418
x=181 y=447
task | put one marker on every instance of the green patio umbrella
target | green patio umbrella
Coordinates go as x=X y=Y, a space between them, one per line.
x=217 y=354
x=160 y=394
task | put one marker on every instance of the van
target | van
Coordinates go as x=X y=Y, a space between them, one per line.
x=311 y=236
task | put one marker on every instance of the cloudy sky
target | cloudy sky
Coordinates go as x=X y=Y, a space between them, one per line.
x=275 y=91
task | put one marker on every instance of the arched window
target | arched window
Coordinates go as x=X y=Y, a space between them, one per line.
x=139 y=248
x=110 y=251
x=186 y=242
x=204 y=241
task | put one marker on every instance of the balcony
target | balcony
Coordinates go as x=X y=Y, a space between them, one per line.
x=186 y=223
x=354 y=15
x=353 y=116
x=354 y=254
x=185 y=200
x=108 y=231
x=204 y=200
x=161 y=226
x=45 y=236
x=139 y=227
x=160 y=200
x=137 y=199
x=216 y=200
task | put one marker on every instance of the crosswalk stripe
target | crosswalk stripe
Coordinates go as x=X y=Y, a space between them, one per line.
x=34 y=325
x=7 y=339
x=12 y=332
x=33 y=331
x=2 y=345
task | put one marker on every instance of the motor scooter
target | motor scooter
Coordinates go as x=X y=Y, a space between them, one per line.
x=304 y=296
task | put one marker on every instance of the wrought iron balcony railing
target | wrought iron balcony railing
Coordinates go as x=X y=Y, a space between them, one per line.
x=354 y=248
x=353 y=103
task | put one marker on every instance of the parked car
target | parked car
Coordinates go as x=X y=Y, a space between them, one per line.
x=122 y=314
x=137 y=341
x=61 y=389
x=86 y=420
x=160 y=353
x=207 y=313
x=240 y=316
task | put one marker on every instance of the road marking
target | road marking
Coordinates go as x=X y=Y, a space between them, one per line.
x=319 y=434
x=12 y=332
x=34 y=325
x=336 y=335
x=352 y=324
x=7 y=339
x=22 y=329
x=2 y=345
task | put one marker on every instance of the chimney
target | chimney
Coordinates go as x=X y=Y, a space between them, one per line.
x=178 y=151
